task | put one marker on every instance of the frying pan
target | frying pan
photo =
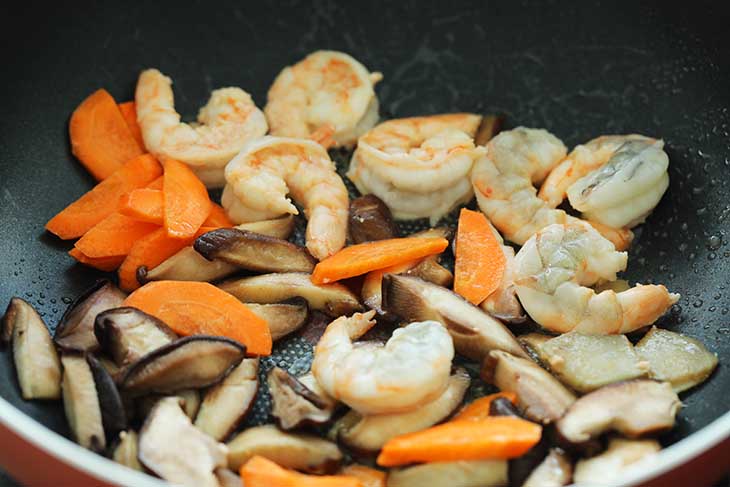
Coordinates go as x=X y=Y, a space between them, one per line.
x=578 y=69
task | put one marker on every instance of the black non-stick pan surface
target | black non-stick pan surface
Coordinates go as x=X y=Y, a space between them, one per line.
x=579 y=69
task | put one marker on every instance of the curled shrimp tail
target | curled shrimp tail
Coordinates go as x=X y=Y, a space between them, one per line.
x=642 y=305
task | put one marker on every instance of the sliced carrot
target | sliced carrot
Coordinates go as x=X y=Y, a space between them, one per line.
x=261 y=472
x=81 y=215
x=113 y=236
x=191 y=308
x=370 y=256
x=100 y=137
x=368 y=477
x=156 y=184
x=129 y=112
x=479 y=409
x=495 y=437
x=373 y=282
x=480 y=261
x=217 y=218
x=106 y=264
x=144 y=205
x=187 y=204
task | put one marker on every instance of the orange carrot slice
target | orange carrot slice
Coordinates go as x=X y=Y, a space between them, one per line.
x=479 y=409
x=129 y=112
x=217 y=218
x=191 y=308
x=144 y=205
x=106 y=264
x=368 y=477
x=156 y=184
x=81 y=215
x=187 y=204
x=113 y=236
x=100 y=137
x=495 y=437
x=480 y=261
x=261 y=472
x=369 y=256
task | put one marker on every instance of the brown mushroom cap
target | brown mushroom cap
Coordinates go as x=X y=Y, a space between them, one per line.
x=370 y=219
x=294 y=403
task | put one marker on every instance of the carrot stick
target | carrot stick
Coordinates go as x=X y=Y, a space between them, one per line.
x=261 y=472
x=369 y=477
x=479 y=409
x=187 y=204
x=495 y=437
x=129 y=112
x=191 y=308
x=217 y=218
x=156 y=184
x=81 y=215
x=480 y=261
x=106 y=264
x=143 y=204
x=100 y=137
x=369 y=256
x=113 y=236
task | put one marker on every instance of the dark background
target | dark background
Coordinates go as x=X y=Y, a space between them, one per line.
x=579 y=69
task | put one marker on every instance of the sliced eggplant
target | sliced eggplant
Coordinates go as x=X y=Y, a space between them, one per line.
x=431 y=271
x=465 y=473
x=606 y=468
x=187 y=265
x=126 y=334
x=303 y=452
x=370 y=433
x=81 y=403
x=490 y=126
x=588 y=362
x=126 y=451
x=633 y=408
x=226 y=478
x=226 y=404
x=34 y=354
x=174 y=449
x=680 y=360
x=253 y=251
x=283 y=318
x=113 y=413
x=333 y=299
x=556 y=470
x=370 y=219
x=540 y=396
x=187 y=363
x=474 y=332
x=298 y=401
x=75 y=331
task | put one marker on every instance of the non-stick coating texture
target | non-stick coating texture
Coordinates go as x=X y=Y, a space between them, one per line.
x=579 y=69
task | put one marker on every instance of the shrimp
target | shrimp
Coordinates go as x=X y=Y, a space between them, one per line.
x=555 y=265
x=418 y=166
x=325 y=88
x=503 y=181
x=267 y=169
x=411 y=369
x=227 y=122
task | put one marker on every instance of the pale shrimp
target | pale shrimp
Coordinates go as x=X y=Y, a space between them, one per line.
x=504 y=181
x=325 y=88
x=268 y=169
x=553 y=269
x=226 y=123
x=411 y=369
x=418 y=166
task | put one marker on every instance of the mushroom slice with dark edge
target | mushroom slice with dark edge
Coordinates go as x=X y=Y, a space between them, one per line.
x=587 y=362
x=227 y=403
x=227 y=478
x=465 y=473
x=190 y=362
x=430 y=270
x=127 y=334
x=632 y=408
x=556 y=470
x=490 y=126
x=295 y=402
x=540 y=395
x=189 y=400
x=81 y=403
x=474 y=332
x=283 y=318
x=281 y=227
x=606 y=468
x=113 y=414
x=308 y=453
x=75 y=332
x=370 y=219
x=680 y=360
x=35 y=356
x=253 y=251
x=171 y=447
x=370 y=433
x=333 y=299
x=125 y=452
